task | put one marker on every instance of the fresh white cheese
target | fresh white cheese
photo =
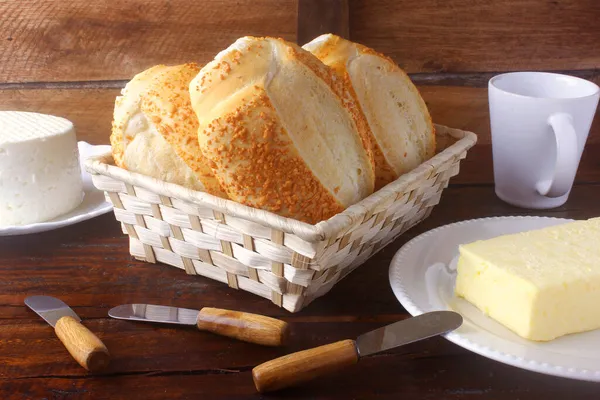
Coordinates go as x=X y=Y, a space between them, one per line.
x=541 y=284
x=40 y=176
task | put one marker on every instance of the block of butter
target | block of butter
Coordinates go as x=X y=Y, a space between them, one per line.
x=541 y=284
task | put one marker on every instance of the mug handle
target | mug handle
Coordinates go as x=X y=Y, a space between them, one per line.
x=567 y=159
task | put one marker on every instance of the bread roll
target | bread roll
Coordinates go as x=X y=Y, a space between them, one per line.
x=155 y=130
x=281 y=131
x=401 y=130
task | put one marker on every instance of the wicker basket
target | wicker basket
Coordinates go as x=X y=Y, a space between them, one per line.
x=284 y=260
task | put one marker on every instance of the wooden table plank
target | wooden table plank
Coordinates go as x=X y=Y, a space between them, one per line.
x=91 y=110
x=480 y=35
x=54 y=41
x=71 y=59
x=78 y=40
x=89 y=267
x=414 y=372
x=316 y=17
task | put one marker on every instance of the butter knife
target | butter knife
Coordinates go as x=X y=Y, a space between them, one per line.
x=82 y=344
x=239 y=325
x=302 y=366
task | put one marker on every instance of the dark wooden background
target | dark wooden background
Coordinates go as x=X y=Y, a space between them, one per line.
x=71 y=58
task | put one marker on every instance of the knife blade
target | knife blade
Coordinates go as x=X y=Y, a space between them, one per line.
x=302 y=366
x=85 y=347
x=239 y=325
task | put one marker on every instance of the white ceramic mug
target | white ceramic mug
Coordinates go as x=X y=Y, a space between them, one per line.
x=540 y=123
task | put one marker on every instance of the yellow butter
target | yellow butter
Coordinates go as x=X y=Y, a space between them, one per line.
x=541 y=284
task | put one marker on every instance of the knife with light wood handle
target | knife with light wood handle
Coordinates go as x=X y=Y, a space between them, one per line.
x=85 y=347
x=239 y=325
x=303 y=366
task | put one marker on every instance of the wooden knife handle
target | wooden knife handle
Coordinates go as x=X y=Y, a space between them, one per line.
x=248 y=327
x=303 y=366
x=82 y=344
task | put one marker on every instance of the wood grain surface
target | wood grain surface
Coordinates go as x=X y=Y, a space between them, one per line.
x=316 y=17
x=78 y=40
x=53 y=41
x=481 y=35
x=70 y=58
x=243 y=326
x=83 y=345
x=294 y=369
x=91 y=110
x=88 y=267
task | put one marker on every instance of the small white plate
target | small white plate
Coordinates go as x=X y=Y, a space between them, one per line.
x=422 y=275
x=93 y=204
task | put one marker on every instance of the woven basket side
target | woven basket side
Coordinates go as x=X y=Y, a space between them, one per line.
x=408 y=209
x=289 y=266
x=451 y=142
x=452 y=147
x=352 y=249
x=208 y=243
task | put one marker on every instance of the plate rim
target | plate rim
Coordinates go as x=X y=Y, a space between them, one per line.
x=17 y=230
x=400 y=292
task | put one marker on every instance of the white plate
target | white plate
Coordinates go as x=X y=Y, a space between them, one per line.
x=93 y=204
x=422 y=276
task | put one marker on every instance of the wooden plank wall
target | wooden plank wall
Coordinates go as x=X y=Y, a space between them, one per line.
x=70 y=58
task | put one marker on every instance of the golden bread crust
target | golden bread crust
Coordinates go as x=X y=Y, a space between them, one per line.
x=252 y=153
x=337 y=53
x=256 y=163
x=160 y=97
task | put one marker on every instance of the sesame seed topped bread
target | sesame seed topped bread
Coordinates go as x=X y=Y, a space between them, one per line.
x=402 y=133
x=155 y=130
x=281 y=131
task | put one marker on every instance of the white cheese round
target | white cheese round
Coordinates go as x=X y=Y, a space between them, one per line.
x=40 y=176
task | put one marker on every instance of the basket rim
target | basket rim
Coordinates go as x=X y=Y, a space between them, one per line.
x=321 y=231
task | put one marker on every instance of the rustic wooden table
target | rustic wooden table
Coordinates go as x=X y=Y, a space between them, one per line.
x=72 y=58
x=89 y=267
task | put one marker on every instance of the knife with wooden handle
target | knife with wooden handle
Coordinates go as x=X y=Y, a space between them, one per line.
x=85 y=347
x=239 y=325
x=303 y=366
